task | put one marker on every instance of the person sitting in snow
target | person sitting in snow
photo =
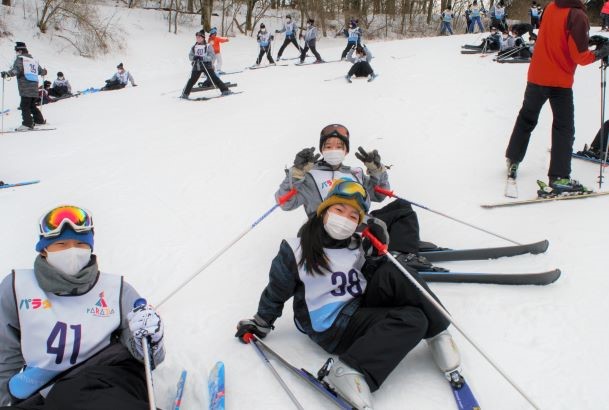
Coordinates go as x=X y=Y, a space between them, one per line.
x=360 y=56
x=61 y=86
x=120 y=79
x=489 y=44
x=349 y=301
x=44 y=93
x=521 y=48
x=594 y=150
x=70 y=337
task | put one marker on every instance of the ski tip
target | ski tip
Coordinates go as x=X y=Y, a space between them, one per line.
x=543 y=246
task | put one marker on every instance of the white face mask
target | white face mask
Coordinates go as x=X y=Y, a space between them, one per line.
x=339 y=227
x=334 y=157
x=69 y=261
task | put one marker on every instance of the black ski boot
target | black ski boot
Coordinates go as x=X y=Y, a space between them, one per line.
x=419 y=263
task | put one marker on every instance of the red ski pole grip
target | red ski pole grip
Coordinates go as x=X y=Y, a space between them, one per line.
x=286 y=197
x=378 y=245
x=248 y=337
x=383 y=191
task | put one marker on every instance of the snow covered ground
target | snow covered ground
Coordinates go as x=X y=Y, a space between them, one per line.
x=170 y=182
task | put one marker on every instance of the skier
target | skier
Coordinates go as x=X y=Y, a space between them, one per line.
x=27 y=70
x=215 y=41
x=468 y=19
x=349 y=301
x=562 y=44
x=61 y=86
x=534 y=12
x=489 y=44
x=289 y=27
x=310 y=37
x=594 y=150
x=70 y=337
x=475 y=17
x=360 y=57
x=447 y=18
x=201 y=56
x=520 y=49
x=498 y=16
x=264 y=39
x=354 y=38
x=44 y=93
x=313 y=178
x=119 y=80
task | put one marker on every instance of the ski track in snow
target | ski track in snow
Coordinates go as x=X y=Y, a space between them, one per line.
x=171 y=182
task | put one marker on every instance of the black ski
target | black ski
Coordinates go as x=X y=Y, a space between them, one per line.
x=211 y=87
x=30 y=130
x=513 y=60
x=536 y=278
x=485 y=253
x=586 y=158
x=212 y=97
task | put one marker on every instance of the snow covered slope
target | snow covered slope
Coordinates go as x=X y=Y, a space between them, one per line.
x=170 y=182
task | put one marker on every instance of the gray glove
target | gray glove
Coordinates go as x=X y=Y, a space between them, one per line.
x=372 y=161
x=304 y=162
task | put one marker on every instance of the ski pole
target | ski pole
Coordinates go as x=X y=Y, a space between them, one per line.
x=282 y=200
x=180 y=390
x=3 y=81
x=148 y=360
x=391 y=194
x=382 y=250
x=509 y=54
x=251 y=340
x=603 y=149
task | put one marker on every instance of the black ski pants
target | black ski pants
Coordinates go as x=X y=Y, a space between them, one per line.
x=402 y=224
x=99 y=384
x=349 y=46
x=596 y=144
x=310 y=45
x=563 y=127
x=58 y=91
x=265 y=50
x=288 y=40
x=113 y=85
x=30 y=114
x=393 y=318
x=361 y=69
x=211 y=76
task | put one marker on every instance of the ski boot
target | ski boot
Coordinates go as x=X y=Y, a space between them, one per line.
x=419 y=263
x=512 y=168
x=589 y=152
x=347 y=382
x=372 y=77
x=446 y=355
x=318 y=61
x=226 y=92
x=560 y=187
x=348 y=78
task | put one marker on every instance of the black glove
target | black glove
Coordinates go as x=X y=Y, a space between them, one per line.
x=256 y=325
x=372 y=160
x=379 y=230
x=272 y=38
x=305 y=159
x=602 y=51
x=4 y=74
x=597 y=40
x=276 y=31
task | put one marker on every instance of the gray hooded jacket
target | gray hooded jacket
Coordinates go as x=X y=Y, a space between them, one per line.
x=26 y=88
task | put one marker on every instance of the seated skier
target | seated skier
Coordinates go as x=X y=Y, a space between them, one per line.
x=521 y=48
x=594 y=150
x=119 y=80
x=351 y=302
x=360 y=56
x=44 y=94
x=489 y=44
x=61 y=86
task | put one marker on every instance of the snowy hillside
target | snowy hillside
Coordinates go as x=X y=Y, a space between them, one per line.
x=171 y=182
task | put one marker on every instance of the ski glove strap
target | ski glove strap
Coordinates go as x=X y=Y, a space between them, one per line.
x=256 y=325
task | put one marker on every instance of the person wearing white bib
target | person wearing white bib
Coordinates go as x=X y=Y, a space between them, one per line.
x=61 y=87
x=119 y=80
x=70 y=338
x=201 y=57
x=27 y=70
x=313 y=177
x=351 y=302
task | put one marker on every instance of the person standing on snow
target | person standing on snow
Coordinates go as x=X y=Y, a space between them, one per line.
x=27 y=70
x=264 y=39
x=360 y=56
x=447 y=18
x=70 y=337
x=561 y=45
x=289 y=27
x=201 y=56
x=310 y=37
x=475 y=17
x=349 y=301
x=215 y=40
x=313 y=179
x=534 y=12
x=119 y=80
x=354 y=38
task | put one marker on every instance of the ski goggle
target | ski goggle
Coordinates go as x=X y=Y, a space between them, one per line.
x=52 y=223
x=351 y=190
x=334 y=130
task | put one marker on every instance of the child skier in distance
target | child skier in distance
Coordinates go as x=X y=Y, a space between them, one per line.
x=215 y=40
x=202 y=56
x=119 y=80
x=61 y=86
x=310 y=38
x=289 y=28
x=360 y=56
x=354 y=38
x=264 y=39
x=348 y=300
x=70 y=337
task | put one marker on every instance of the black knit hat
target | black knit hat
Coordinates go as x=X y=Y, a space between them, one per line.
x=19 y=45
x=334 y=130
x=262 y=25
x=59 y=74
x=120 y=66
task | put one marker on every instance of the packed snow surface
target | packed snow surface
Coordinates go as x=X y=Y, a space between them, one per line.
x=171 y=182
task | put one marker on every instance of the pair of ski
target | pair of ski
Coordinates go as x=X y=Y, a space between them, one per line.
x=213 y=97
x=318 y=62
x=215 y=387
x=17 y=184
x=462 y=393
x=28 y=130
x=211 y=87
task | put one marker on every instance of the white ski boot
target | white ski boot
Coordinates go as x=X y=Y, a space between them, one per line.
x=445 y=353
x=351 y=384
